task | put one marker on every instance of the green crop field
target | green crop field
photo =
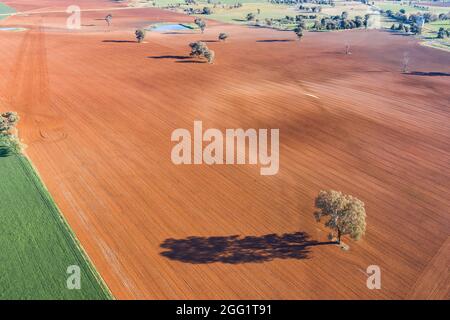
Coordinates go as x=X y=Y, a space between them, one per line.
x=37 y=246
x=5 y=11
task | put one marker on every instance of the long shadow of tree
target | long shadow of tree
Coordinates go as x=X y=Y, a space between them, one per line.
x=234 y=249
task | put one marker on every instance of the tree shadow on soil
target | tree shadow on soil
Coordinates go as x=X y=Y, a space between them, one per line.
x=275 y=40
x=190 y=61
x=429 y=74
x=174 y=32
x=120 y=41
x=234 y=249
x=170 y=57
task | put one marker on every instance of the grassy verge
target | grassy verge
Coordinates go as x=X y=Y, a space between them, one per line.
x=37 y=244
x=5 y=11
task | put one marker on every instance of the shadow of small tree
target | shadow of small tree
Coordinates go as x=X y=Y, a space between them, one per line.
x=234 y=249
x=5 y=152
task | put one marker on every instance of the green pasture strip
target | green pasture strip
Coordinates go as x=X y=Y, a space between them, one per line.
x=37 y=245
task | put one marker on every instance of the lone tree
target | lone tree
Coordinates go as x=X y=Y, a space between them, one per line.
x=346 y=213
x=108 y=19
x=299 y=32
x=250 y=16
x=140 y=35
x=223 y=36
x=199 y=49
x=200 y=23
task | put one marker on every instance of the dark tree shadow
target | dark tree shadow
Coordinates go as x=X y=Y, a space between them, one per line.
x=4 y=152
x=190 y=61
x=430 y=74
x=174 y=32
x=120 y=41
x=275 y=40
x=234 y=249
x=209 y=40
x=170 y=57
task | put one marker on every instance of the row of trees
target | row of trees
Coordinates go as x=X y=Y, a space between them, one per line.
x=341 y=22
x=414 y=22
x=8 y=132
x=322 y=2
x=310 y=9
x=417 y=18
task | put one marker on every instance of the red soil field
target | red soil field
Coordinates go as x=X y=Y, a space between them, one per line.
x=98 y=111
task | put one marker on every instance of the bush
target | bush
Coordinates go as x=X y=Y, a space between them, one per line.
x=200 y=23
x=199 y=49
x=140 y=35
x=207 y=10
x=223 y=36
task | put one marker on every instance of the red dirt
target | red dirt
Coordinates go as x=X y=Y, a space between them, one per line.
x=97 y=118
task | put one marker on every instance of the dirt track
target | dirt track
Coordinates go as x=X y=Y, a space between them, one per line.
x=97 y=113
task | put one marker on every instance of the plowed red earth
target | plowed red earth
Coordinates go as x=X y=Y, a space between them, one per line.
x=97 y=114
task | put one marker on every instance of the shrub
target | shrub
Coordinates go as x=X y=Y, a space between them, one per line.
x=223 y=36
x=200 y=23
x=199 y=49
x=140 y=35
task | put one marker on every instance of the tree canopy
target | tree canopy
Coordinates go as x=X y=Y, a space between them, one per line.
x=346 y=214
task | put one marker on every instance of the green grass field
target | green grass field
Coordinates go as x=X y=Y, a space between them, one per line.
x=395 y=7
x=5 y=10
x=37 y=246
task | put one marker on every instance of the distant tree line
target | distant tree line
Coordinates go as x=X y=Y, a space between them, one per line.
x=341 y=22
x=414 y=20
x=293 y=2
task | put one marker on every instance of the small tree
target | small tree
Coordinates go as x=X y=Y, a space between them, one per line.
x=250 y=16
x=108 y=19
x=200 y=23
x=206 y=10
x=346 y=213
x=441 y=33
x=299 y=32
x=209 y=55
x=223 y=36
x=140 y=35
x=8 y=121
x=199 y=49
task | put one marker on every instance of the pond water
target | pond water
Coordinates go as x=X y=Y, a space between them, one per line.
x=169 y=27
x=11 y=29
